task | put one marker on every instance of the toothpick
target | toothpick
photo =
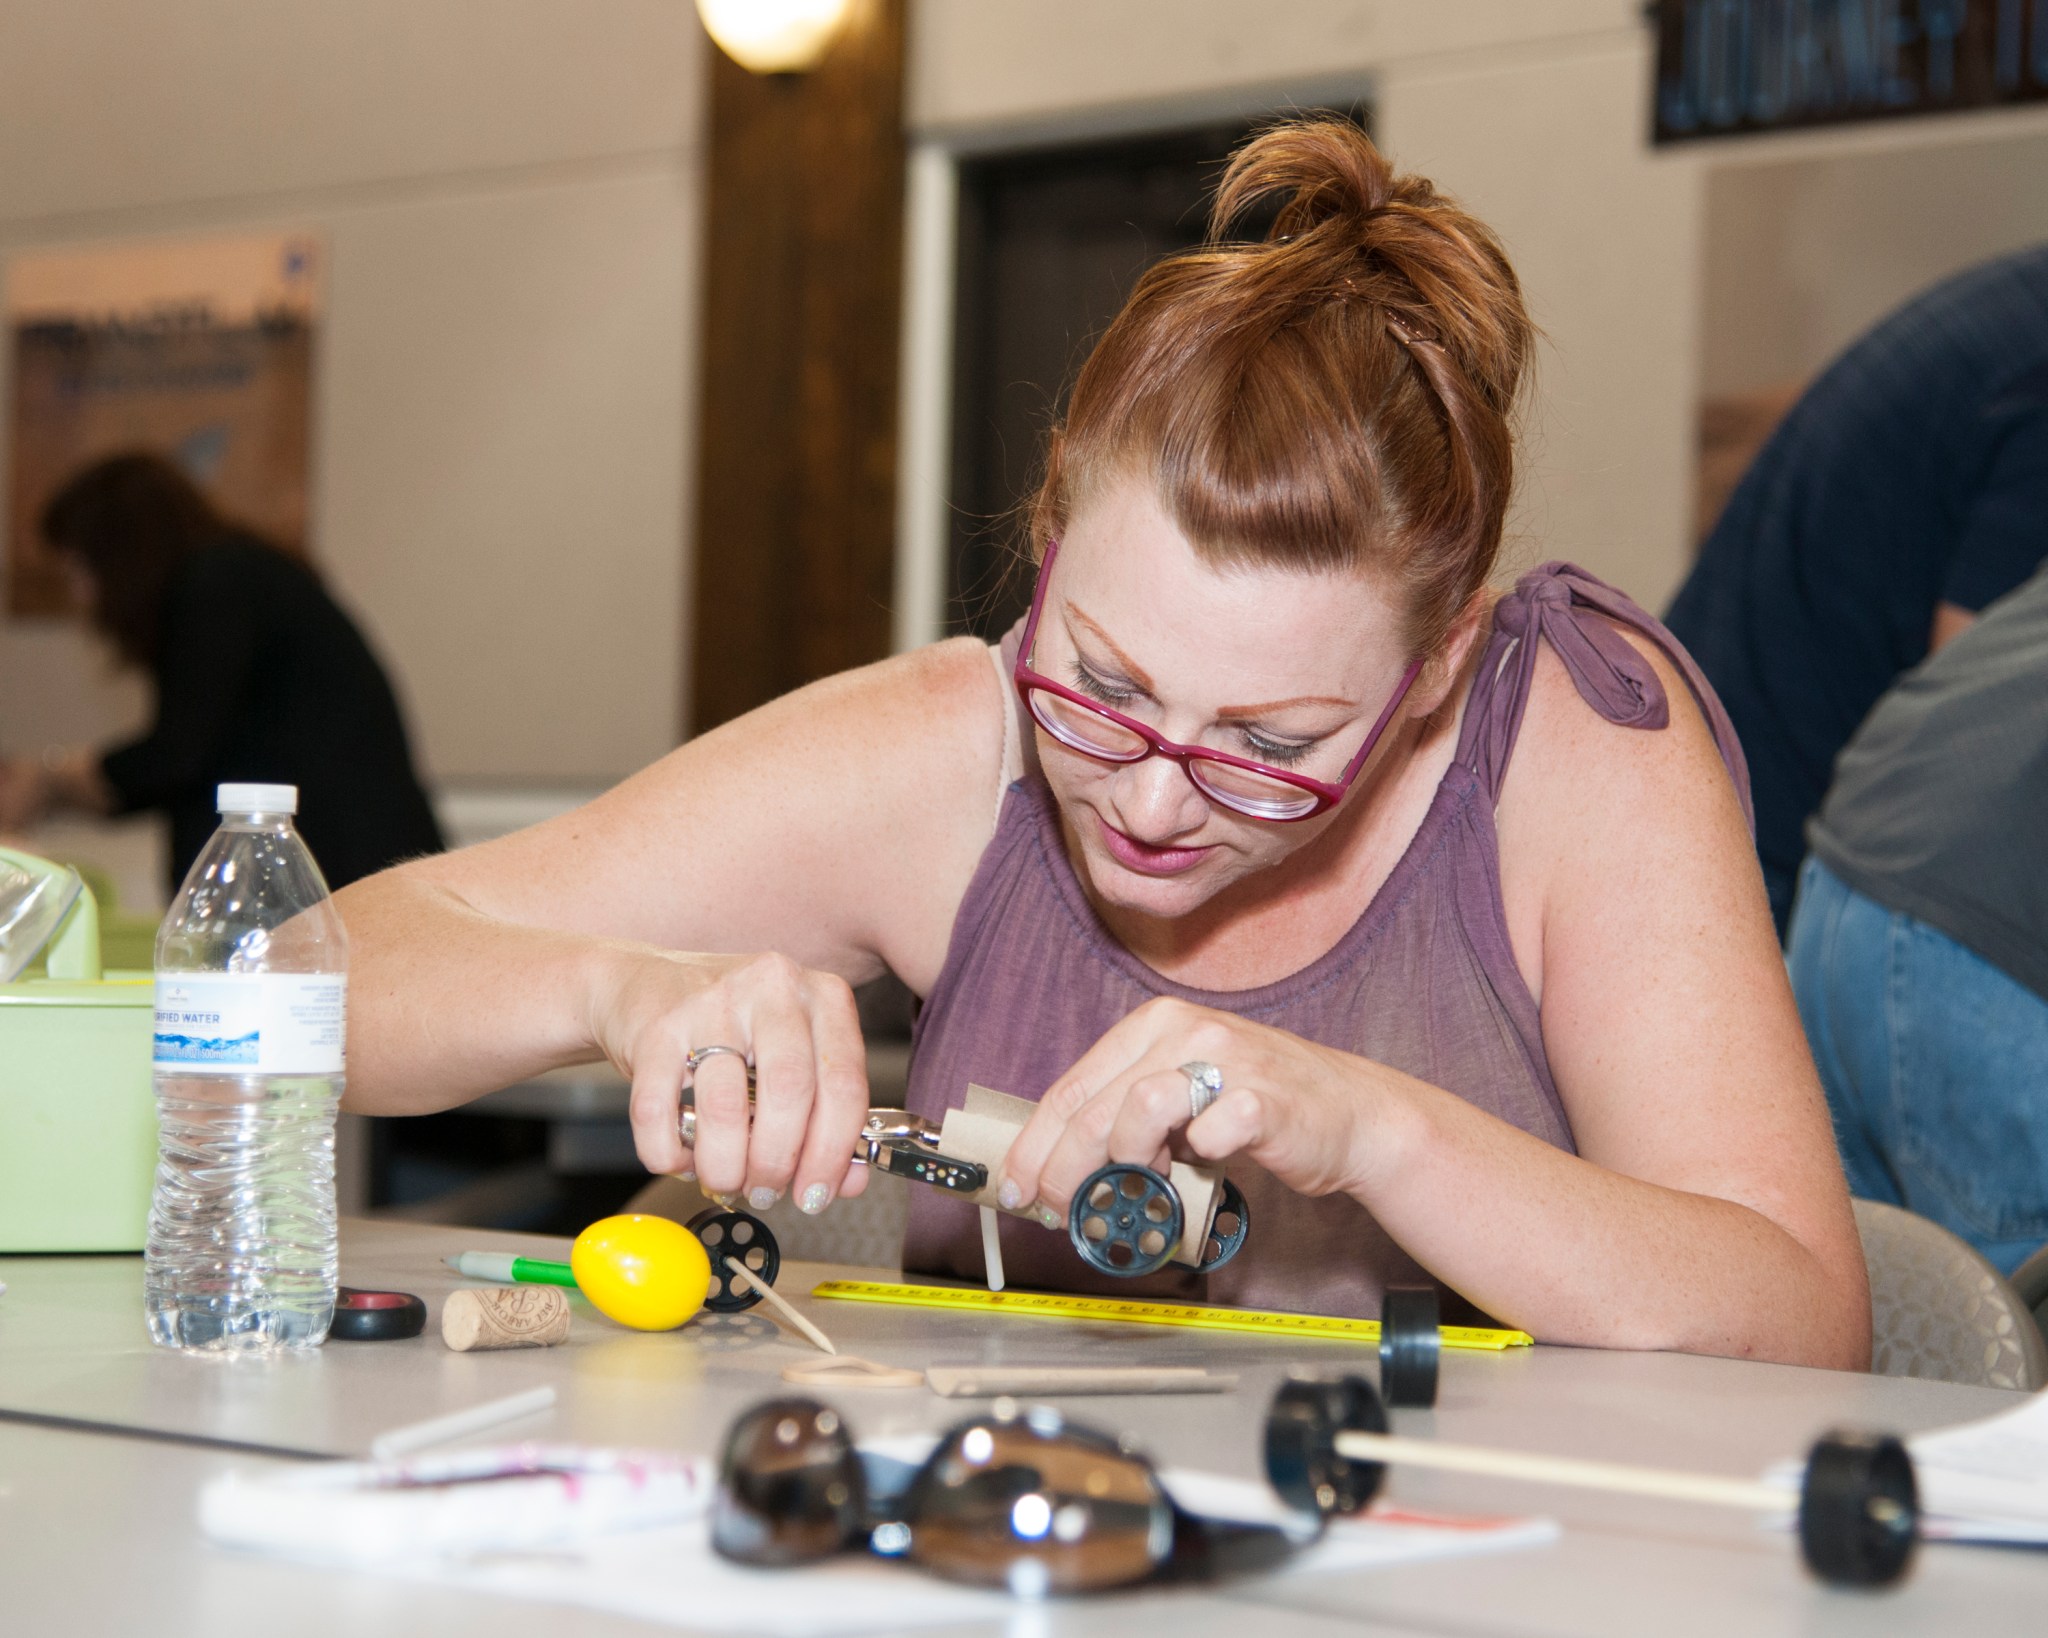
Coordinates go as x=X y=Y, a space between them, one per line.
x=747 y=1277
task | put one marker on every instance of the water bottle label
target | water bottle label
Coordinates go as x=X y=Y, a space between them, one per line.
x=251 y=1023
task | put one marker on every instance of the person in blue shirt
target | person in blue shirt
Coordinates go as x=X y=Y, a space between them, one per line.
x=1907 y=489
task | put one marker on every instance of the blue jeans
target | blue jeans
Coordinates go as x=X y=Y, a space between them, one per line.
x=1935 y=1064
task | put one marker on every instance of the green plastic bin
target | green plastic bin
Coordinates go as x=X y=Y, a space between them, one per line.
x=77 y=1111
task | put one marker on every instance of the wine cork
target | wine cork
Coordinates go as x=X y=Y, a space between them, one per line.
x=512 y=1316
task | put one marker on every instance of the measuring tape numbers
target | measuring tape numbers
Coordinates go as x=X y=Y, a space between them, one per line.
x=1129 y=1311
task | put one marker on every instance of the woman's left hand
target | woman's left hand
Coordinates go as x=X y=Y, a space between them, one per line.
x=1305 y=1113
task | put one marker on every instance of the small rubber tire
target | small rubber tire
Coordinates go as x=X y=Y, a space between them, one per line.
x=1859 y=1510
x=1411 y=1347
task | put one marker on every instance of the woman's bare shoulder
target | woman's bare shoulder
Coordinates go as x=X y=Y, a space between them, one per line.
x=1593 y=807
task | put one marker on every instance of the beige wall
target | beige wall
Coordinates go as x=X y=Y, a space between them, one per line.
x=509 y=192
x=1532 y=111
x=508 y=189
x=1805 y=251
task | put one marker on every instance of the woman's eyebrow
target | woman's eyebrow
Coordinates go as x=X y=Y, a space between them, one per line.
x=1243 y=713
x=1133 y=671
x=1136 y=673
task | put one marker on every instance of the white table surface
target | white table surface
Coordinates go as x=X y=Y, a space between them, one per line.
x=97 y=1531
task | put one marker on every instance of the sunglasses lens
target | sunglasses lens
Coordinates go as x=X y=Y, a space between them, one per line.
x=1035 y=1507
x=789 y=1486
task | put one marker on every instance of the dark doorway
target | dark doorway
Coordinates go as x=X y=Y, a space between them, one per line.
x=1051 y=242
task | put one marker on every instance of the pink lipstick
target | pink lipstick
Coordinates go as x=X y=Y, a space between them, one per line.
x=1145 y=859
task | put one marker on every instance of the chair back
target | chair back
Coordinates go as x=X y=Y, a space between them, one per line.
x=1939 y=1309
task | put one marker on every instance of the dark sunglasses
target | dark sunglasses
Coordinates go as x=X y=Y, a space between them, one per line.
x=1027 y=1502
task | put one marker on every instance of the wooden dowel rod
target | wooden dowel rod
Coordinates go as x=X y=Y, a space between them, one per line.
x=746 y=1276
x=1566 y=1470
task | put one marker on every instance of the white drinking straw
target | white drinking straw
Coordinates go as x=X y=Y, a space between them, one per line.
x=419 y=1435
x=992 y=1247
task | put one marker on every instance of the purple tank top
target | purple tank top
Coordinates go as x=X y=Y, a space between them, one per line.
x=1424 y=981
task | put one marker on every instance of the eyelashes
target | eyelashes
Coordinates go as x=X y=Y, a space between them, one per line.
x=1281 y=753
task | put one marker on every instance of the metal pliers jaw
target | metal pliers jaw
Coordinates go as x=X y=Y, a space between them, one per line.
x=892 y=1140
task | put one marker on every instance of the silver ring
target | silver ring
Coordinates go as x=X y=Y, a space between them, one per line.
x=686 y=1116
x=1205 y=1086
x=693 y=1060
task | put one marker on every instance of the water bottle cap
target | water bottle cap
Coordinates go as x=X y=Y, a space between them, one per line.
x=257 y=799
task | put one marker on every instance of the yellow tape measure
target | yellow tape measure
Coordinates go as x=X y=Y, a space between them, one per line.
x=1049 y=1305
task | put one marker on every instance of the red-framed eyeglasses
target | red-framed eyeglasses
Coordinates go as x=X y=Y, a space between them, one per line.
x=1253 y=789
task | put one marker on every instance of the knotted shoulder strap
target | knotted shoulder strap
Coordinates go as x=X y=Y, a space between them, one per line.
x=1564 y=606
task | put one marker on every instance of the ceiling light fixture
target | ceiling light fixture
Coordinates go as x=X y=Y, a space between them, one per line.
x=774 y=36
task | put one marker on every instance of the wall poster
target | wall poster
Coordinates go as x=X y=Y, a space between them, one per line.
x=201 y=350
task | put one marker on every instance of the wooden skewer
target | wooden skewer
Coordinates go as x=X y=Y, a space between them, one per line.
x=1566 y=1470
x=746 y=1276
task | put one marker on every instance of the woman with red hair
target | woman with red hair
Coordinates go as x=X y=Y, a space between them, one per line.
x=1274 y=836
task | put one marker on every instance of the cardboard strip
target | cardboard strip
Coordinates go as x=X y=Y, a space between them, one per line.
x=984 y=1128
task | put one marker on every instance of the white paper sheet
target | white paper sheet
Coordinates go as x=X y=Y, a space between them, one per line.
x=1984 y=1481
x=671 y=1576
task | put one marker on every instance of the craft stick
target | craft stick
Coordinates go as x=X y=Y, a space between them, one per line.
x=746 y=1276
x=992 y=1247
x=457 y=1424
x=845 y=1371
x=1567 y=1470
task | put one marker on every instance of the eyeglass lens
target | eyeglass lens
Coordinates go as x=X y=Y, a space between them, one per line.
x=1093 y=734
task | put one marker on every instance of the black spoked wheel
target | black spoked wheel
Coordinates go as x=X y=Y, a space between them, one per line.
x=1232 y=1222
x=1125 y=1220
x=1302 y=1463
x=734 y=1237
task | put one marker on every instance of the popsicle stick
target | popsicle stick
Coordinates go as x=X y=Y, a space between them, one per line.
x=845 y=1371
x=1566 y=1470
x=1020 y=1381
x=747 y=1277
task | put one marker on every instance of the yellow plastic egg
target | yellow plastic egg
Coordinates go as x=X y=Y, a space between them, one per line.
x=645 y=1272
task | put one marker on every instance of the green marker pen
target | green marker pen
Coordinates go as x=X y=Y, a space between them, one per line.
x=502 y=1265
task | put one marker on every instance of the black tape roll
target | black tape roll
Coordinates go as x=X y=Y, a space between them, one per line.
x=1125 y=1220
x=376 y=1316
x=731 y=1237
x=1302 y=1425
x=1859 y=1509
x=1410 y=1346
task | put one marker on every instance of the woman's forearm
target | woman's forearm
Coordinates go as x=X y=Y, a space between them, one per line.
x=446 y=1003
x=1573 y=1252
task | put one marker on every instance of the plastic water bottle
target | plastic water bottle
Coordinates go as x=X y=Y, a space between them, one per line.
x=251 y=991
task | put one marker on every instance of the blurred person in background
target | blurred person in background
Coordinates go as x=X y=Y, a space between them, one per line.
x=259 y=675
x=1906 y=490
x=1919 y=948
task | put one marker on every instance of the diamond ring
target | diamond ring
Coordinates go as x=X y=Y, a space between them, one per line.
x=1205 y=1086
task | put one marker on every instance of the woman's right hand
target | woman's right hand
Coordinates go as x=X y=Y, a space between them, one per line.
x=797 y=1026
